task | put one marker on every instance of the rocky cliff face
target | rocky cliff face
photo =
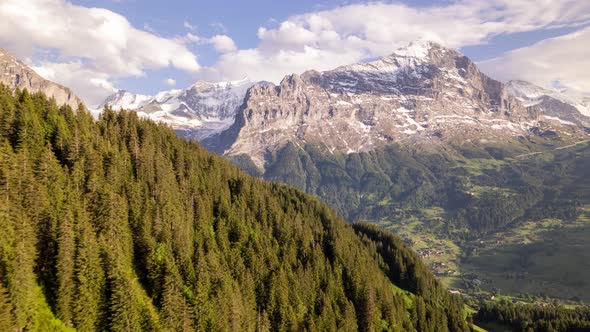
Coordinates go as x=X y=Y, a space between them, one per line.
x=16 y=74
x=199 y=111
x=422 y=93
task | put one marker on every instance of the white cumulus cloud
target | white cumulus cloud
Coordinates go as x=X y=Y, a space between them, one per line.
x=170 y=81
x=556 y=62
x=325 y=39
x=223 y=43
x=89 y=41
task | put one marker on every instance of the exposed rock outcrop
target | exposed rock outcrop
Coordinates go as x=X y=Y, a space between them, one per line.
x=17 y=75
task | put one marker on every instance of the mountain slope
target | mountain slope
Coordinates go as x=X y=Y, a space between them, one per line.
x=119 y=225
x=17 y=75
x=421 y=95
x=199 y=111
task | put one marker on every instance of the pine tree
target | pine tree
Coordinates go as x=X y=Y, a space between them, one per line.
x=124 y=312
x=6 y=319
x=369 y=311
x=65 y=268
x=21 y=277
x=89 y=303
x=176 y=312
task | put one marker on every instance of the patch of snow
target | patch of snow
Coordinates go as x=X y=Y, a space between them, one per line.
x=455 y=76
x=498 y=126
x=583 y=109
x=262 y=131
x=413 y=122
x=164 y=96
x=343 y=103
x=559 y=120
x=170 y=107
x=364 y=127
x=403 y=110
x=346 y=83
x=416 y=49
x=455 y=118
x=409 y=131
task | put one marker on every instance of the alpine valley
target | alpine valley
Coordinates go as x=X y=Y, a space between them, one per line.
x=487 y=181
x=438 y=199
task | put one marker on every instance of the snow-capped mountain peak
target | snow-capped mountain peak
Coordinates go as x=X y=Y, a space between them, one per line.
x=200 y=110
x=414 y=55
x=126 y=100
x=552 y=101
x=205 y=85
x=417 y=49
x=527 y=92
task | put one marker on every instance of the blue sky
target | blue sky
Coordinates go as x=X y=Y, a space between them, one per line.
x=230 y=17
x=146 y=46
x=242 y=21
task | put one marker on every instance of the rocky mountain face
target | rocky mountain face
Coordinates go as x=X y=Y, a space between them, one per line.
x=421 y=93
x=551 y=104
x=16 y=74
x=199 y=111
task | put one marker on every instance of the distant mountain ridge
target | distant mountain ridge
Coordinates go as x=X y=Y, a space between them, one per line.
x=421 y=94
x=15 y=74
x=573 y=109
x=199 y=111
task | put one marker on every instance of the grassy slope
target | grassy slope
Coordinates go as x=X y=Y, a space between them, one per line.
x=542 y=257
x=548 y=257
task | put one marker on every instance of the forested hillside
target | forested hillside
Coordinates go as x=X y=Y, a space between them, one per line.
x=119 y=225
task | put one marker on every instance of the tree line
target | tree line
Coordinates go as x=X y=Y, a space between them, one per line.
x=528 y=317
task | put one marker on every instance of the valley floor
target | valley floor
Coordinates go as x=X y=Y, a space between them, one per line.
x=534 y=261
